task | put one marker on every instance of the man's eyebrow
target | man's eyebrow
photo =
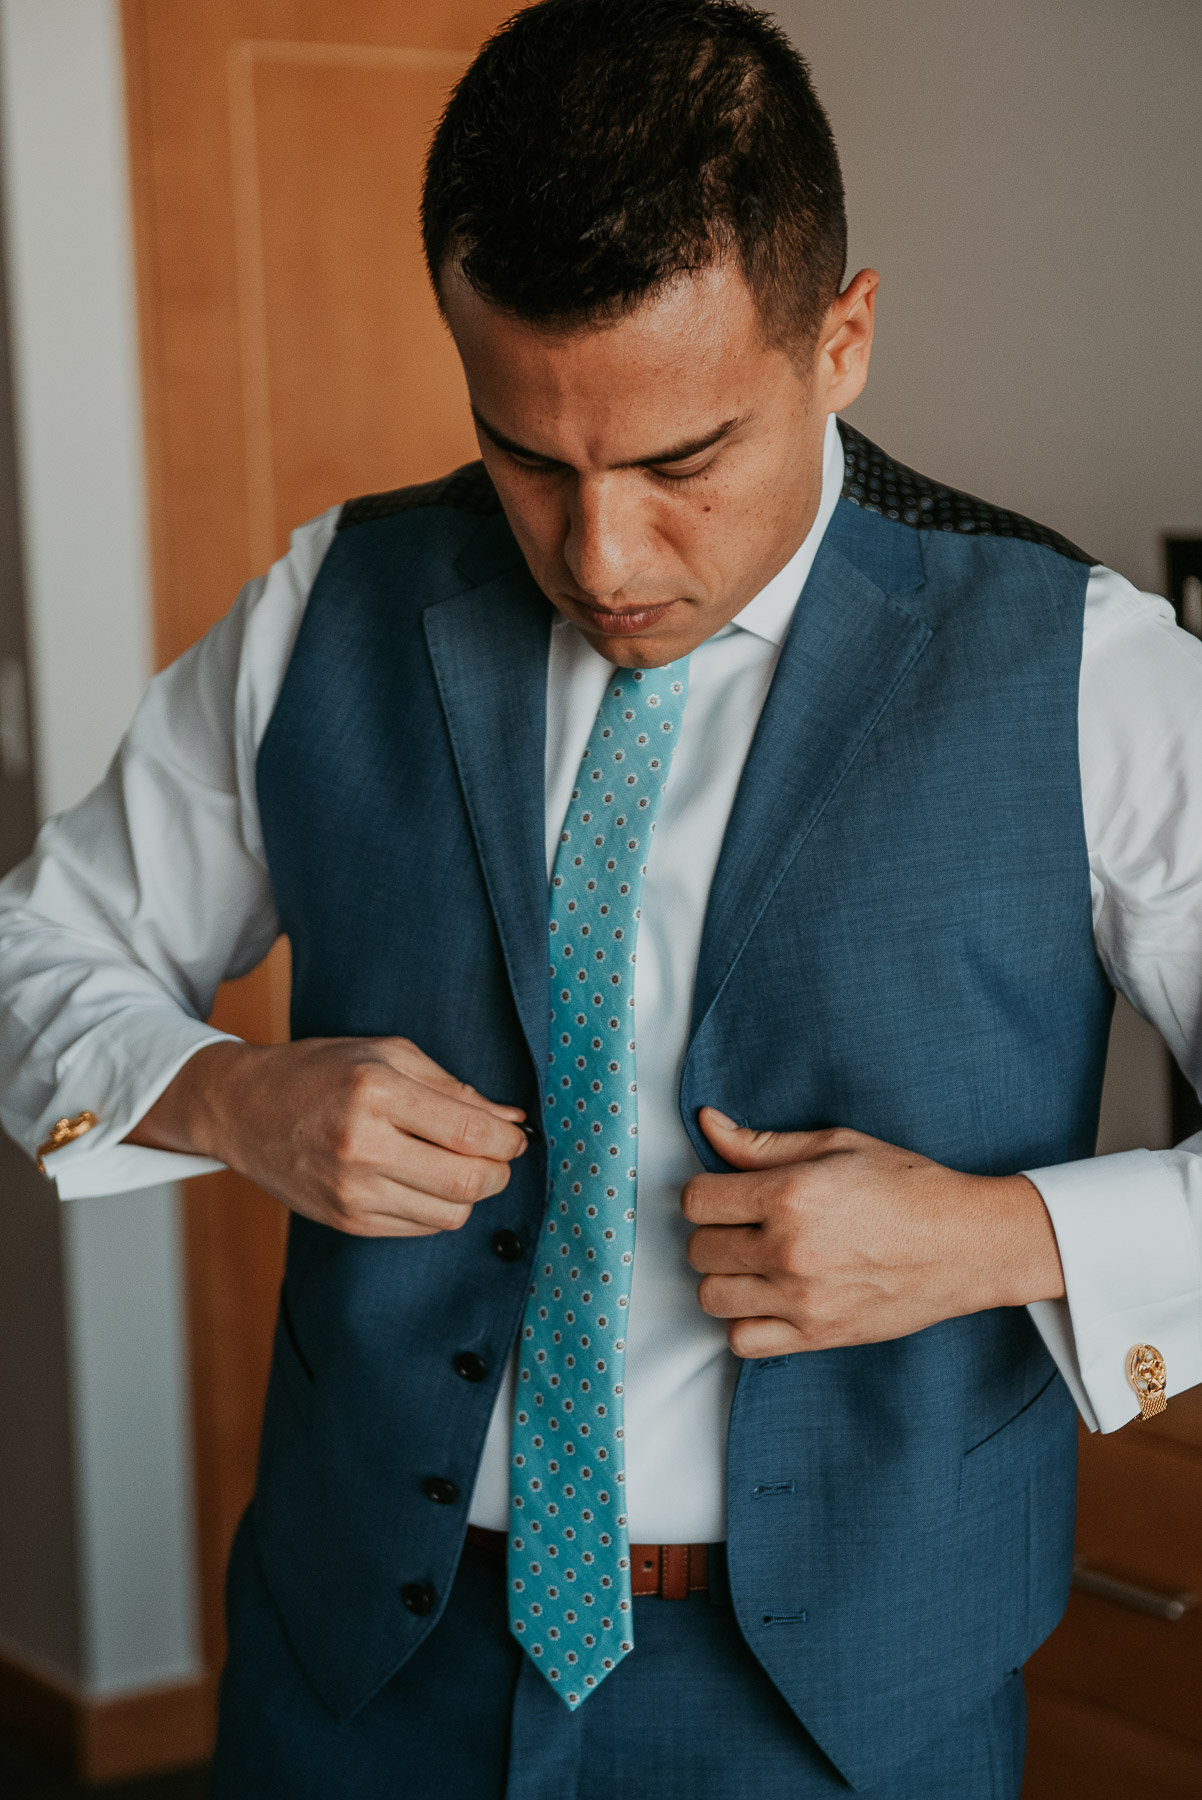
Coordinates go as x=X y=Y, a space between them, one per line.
x=677 y=452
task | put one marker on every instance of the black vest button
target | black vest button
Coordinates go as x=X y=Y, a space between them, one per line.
x=439 y=1489
x=417 y=1598
x=469 y=1365
x=508 y=1245
x=533 y=1133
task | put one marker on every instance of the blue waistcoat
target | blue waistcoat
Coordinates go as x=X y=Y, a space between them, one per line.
x=898 y=939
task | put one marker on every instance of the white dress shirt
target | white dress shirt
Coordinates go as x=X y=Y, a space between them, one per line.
x=137 y=902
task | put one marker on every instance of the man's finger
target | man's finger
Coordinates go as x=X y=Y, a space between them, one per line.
x=723 y=1200
x=411 y=1203
x=413 y=1163
x=727 y=1250
x=744 y=1148
x=451 y=1122
x=737 y=1296
x=409 y=1059
x=390 y=1209
x=385 y=1225
x=751 y=1338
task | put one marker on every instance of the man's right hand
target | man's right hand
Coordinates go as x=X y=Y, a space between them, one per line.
x=365 y=1134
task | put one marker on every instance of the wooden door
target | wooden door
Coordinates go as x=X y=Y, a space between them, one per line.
x=1115 y=1695
x=292 y=356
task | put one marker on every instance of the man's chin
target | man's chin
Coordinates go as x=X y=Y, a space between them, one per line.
x=650 y=650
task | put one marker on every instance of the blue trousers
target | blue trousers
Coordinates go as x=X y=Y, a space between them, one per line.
x=689 y=1715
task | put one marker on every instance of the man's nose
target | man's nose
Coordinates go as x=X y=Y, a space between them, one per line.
x=603 y=546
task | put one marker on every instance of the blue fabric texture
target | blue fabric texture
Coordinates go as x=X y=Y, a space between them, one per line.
x=898 y=939
x=690 y=1715
x=569 y=1546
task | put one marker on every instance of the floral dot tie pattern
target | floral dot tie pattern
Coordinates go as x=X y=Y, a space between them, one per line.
x=569 y=1547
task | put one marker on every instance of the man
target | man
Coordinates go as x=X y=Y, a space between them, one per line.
x=887 y=786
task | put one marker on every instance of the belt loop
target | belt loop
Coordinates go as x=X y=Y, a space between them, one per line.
x=674 y=1577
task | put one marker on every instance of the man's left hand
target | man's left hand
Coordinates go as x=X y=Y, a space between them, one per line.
x=823 y=1238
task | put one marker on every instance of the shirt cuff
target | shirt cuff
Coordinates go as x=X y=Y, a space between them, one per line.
x=1132 y=1275
x=117 y=1072
x=126 y=1167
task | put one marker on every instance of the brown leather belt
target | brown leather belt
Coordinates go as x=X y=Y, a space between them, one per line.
x=673 y=1571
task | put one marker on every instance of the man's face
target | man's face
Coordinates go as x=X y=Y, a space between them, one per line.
x=659 y=470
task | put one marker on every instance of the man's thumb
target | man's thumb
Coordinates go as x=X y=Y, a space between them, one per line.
x=745 y=1148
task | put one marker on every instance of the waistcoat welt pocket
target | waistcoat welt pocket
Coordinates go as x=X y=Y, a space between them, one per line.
x=1003 y=1459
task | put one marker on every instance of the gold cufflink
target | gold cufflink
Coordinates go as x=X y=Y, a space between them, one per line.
x=1147 y=1377
x=65 y=1131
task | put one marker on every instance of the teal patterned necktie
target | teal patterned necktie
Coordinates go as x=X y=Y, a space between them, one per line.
x=569 y=1548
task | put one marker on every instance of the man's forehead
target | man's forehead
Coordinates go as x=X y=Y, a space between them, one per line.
x=698 y=323
x=658 y=384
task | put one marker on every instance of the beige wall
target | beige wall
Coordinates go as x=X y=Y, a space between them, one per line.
x=1027 y=177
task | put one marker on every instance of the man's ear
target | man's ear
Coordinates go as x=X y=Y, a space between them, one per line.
x=845 y=342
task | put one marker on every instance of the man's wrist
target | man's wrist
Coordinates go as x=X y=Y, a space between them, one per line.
x=191 y=1115
x=1022 y=1258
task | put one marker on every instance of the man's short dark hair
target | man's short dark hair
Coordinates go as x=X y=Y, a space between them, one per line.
x=597 y=149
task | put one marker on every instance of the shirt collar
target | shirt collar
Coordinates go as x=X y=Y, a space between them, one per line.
x=768 y=616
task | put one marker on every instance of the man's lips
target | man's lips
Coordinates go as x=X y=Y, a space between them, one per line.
x=626 y=621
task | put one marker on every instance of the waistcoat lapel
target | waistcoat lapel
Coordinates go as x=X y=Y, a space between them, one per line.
x=849 y=648
x=489 y=650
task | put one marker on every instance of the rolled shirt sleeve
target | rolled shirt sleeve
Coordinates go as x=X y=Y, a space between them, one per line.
x=138 y=902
